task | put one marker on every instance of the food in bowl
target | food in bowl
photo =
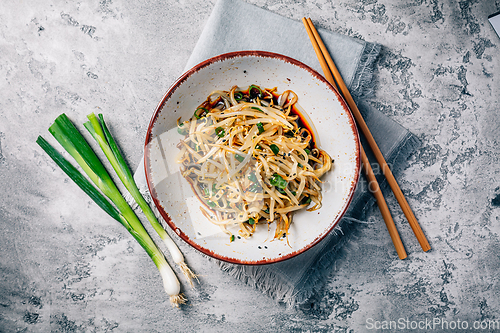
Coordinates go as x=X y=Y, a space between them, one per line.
x=325 y=114
x=251 y=159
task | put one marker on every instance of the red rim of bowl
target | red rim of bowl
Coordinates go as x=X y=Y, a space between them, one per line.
x=169 y=93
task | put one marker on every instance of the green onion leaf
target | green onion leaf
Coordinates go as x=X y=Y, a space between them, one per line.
x=79 y=179
x=239 y=157
x=231 y=238
x=251 y=221
x=75 y=144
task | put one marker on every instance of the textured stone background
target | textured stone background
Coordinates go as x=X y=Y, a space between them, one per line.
x=66 y=267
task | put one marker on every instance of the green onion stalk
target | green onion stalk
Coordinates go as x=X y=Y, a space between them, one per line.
x=75 y=144
x=100 y=132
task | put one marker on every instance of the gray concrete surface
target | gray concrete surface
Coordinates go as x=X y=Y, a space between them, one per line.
x=66 y=267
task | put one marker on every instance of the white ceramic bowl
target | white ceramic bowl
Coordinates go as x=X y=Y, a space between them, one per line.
x=335 y=132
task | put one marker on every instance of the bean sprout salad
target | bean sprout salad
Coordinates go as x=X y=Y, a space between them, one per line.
x=251 y=159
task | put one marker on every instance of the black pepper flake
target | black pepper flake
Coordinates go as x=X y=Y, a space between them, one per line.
x=260 y=247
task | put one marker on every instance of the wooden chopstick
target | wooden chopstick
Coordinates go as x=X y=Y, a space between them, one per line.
x=372 y=181
x=313 y=35
x=382 y=205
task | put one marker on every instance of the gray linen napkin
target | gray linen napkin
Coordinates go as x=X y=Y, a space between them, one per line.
x=228 y=29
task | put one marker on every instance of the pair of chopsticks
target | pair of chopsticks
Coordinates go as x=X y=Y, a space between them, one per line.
x=333 y=76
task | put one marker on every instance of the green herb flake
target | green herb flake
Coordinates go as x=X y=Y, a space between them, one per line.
x=255 y=187
x=238 y=96
x=181 y=129
x=251 y=221
x=278 y=181
x=275 y=149
x=305 y=200
x=220 y=132
x=239 y=157
x=260 y=127
x=254 y=91
x=231 y=238
x=200 y=112
x=252 y=177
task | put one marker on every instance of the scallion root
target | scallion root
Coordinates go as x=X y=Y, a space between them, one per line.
x=177 y=300
x=188 y=273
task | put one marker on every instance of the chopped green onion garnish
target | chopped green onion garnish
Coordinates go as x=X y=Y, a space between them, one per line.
x=278 y=181
x=256 y=108
x=251 y=221
x=260 y=127
x=239 y=157
x=238 y=96
x=255 y=187
x=200 y=112
x=252 y=177
x=220 y=132
x=254 y=94
x=211 y=204
x=206 y=191
x=231 y=238
x=275 y=149
x=181 y=129
x=307 y=151
x=257 y=146
x=305 y=200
